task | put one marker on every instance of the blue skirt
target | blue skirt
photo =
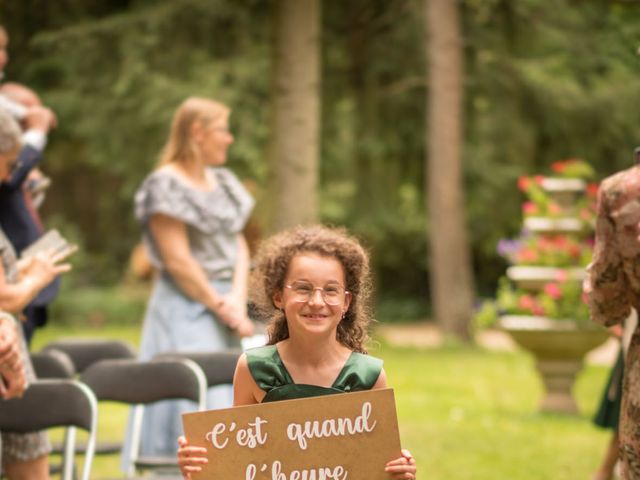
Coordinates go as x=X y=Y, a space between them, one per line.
x=174 y=322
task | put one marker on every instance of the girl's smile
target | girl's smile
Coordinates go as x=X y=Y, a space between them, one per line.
x=311 y=280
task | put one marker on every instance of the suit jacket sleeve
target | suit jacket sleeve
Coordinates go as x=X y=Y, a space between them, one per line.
x=28 y=158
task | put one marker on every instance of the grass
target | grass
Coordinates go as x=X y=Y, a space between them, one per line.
x=465 y=413
x=472 y=414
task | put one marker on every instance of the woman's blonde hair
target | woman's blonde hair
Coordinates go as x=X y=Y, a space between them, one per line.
x=272 y=264
x=180 y=146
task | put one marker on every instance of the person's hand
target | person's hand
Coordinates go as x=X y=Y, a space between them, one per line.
x=236 y=303
x=402 y=467
x=10 y=356
x=234 y=314
x=190 y=459
x=11 y=365
x=42 y=268
x=228 y=313
x=246 y=328
x=40 y=118
x=14 y=383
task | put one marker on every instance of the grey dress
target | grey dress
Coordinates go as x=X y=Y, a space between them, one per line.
x=173 y=321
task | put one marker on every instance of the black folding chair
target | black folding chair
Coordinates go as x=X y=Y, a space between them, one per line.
x=218 y=367
x=83 y=352
x=52 y=364
x=55 y=364
x=55 y=403
x=142 y=383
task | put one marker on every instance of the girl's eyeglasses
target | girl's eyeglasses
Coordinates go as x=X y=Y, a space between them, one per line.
x=331 y=294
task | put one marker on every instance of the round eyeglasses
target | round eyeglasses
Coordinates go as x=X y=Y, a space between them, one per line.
x=331 y=294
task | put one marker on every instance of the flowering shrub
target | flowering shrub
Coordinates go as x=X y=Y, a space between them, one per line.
x=541 y=203
x=560 y=299
x=561 y=250
x=572 y=168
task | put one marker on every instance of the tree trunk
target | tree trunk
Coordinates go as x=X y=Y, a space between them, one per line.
x=451 y=276
x=293 y=153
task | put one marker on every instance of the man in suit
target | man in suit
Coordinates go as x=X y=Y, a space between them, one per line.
x=18 y=218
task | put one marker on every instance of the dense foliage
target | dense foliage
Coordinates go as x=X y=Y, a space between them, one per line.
x=544 y=80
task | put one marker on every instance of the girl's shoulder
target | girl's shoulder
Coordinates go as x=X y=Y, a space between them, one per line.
x=266 y=352
x=266 y=367
x=361 y=372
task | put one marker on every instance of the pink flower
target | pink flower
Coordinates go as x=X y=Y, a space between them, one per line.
x=585 y=214
x=527 y=255
x=554 y=208
x=538 y=179
x=529 y=208
x=553 y=290
x=526 y=302
x=537 y=309
x=561 y=276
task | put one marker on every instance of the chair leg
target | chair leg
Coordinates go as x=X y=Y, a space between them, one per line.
x=134 y=447
x=68 y=464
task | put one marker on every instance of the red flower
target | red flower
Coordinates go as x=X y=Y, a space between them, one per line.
x=558 y=167
x=539 y=179
x=560 y=241
x=524 y=183
x=574 y=251
x=592 y=189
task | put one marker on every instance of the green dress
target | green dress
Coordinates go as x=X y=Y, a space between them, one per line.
x=360 y=372
x=608 y=414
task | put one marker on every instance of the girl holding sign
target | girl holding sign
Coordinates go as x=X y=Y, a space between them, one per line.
x=313 y=283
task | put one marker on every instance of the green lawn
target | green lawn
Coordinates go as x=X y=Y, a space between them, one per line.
x=465 y=413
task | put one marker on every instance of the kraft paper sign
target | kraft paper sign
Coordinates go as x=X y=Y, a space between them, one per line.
x=335 y=437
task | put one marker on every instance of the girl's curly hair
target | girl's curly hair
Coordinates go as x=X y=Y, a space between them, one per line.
x=272 y=264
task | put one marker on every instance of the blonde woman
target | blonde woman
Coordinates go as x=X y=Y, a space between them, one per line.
x=193 y=211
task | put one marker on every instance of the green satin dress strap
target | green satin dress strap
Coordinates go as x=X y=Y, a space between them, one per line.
x=360 y=372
